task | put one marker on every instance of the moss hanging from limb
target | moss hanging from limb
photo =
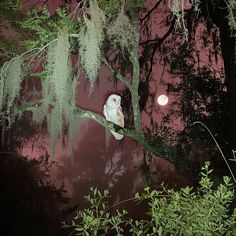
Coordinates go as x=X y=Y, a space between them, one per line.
x=91 y=38
x=59 y=86
x=11 y=77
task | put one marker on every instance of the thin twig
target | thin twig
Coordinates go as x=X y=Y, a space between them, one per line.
x=218 y=146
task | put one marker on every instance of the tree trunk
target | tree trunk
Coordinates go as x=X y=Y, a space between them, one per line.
x=228 y=47
x=229 y=55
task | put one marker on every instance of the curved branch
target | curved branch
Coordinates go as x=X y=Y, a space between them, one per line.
x=139 y=137
x=158 y=41
x=151 y=10
x=45 y=46
x=134 y=90
x=218 y=146
x=132 y=133
x=118 y=75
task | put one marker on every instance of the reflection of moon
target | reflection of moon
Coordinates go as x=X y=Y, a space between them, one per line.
x=162 y=100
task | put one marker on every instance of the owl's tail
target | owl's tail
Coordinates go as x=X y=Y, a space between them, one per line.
x=116 y=135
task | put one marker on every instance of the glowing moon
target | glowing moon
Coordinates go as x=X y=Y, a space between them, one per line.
x=162 y=100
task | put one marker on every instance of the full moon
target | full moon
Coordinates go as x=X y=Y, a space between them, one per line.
x=162 y=100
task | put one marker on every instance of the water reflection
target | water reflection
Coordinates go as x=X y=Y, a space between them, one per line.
x=116 y=167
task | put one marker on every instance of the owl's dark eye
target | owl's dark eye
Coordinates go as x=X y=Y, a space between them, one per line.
x=114 y=99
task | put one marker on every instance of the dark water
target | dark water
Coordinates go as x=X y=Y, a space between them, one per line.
x=37 y=194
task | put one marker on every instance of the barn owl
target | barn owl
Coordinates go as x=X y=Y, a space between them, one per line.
x=113 y=112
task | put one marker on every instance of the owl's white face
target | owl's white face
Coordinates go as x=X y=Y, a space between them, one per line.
x=113 y=101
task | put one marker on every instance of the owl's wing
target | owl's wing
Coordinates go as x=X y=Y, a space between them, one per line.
x=104 y=111
x=119 y=121
x=110 y=113
x=120 y=116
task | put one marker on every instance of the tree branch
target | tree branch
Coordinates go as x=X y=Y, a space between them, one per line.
x=157 y=43
x=118 y=75
x=139 y=137
x=151 y=10
x=158 y=40
x=134 y=90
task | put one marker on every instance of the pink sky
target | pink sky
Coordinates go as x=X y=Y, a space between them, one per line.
x=122 y=158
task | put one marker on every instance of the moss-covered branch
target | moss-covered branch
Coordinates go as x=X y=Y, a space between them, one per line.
x=132 y=133
x=139 y=137
x=134 y=90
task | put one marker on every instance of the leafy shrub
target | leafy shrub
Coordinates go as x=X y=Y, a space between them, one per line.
x=171 y=212
x=97 y=220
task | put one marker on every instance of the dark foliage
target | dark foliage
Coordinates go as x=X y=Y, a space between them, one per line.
x=28 y=205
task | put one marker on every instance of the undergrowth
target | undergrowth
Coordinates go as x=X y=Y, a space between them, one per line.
x=205 y=211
